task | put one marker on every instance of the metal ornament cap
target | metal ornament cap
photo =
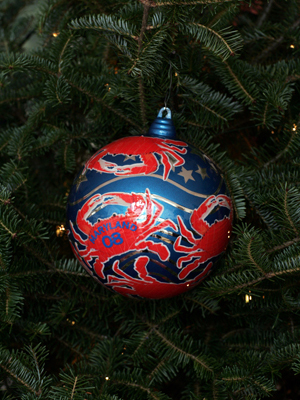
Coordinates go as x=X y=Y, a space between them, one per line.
x=163 y=126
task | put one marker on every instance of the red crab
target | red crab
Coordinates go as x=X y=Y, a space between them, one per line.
x=146 y=148
x=145 y=285
x=118 y=234
x=214 y=237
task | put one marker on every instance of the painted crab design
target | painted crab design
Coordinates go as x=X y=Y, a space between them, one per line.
x=145 y=285
x=214 y=237
x=119 y=233
x=147 y=149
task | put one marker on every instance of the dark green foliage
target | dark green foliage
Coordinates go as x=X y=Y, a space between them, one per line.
x=75 y=75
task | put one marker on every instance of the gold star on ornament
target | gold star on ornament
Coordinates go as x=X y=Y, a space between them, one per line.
x=187 y=174
x=129 y=157
x=202 y=172
x=80 y=179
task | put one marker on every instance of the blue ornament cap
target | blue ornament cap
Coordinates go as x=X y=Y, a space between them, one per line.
x=163 y=127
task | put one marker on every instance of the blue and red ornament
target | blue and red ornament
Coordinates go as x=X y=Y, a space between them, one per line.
x=149 y=216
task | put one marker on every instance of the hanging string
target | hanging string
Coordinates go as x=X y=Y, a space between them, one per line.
x=170 y=76
x=168 y=93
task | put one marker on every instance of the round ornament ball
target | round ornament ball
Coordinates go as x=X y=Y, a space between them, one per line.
x=148 y=216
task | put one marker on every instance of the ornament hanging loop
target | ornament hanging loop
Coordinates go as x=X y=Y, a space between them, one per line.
x=169 y=113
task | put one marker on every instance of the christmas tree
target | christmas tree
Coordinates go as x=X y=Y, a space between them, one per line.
x=76 y=75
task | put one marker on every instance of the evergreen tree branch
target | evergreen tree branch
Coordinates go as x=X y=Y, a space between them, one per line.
x=288 y=214
x=82 y=274
x=264 y=14
x=234 y=378
x=183 y=3
x=284 y=151
x=99 y=100
x=142 y=103
x=257 y=210
x=39 y=257
x=7 y=301
x=5 y=143
x=157 y=368
x=97 y=296
x=264 y=120
x=206 y=108
x=251 y=257
x=47 y=271
x=46 y=296
x=239 y=84
x=136 y=385
x=179 y=350
x=201 y=303
x=48 y=12
x=292 y=78
x=142 y=341
x=196 y=124
x=69 y=346
x=38 y=235
x=141 y=84
x=17 y=378
x=51 y=265
x=246 y=388
x=265 y=389
x=143 y=27
x=2 y=263
x=169 y=316
x=215 y=33
x=275 y=44
x=268 y=275
x=62 y=53
x=31 y=272
x=228 y=183
x=223 y=43
x=104 y=23
x=14 y=99
x=74 y=386
x=284 y=245
x=215 y=391
x=90 y=333
x=32 y=351
x=12 y=234
x=148 y=3
x=19 y=212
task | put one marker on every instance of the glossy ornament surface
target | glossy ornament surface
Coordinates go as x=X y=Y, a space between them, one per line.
x=149 y=216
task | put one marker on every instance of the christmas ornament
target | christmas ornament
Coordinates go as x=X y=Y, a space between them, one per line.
x=149 y=216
